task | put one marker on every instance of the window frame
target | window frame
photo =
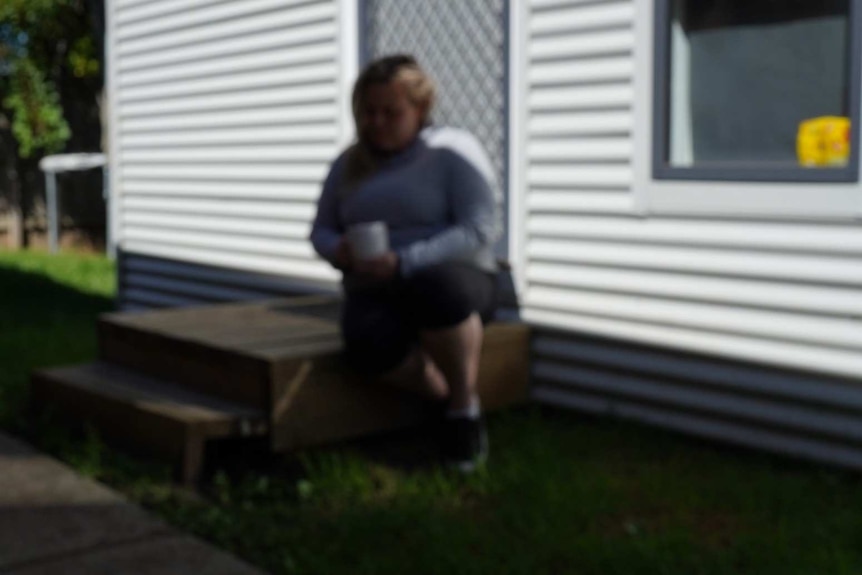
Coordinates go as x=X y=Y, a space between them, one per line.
x=661 y=168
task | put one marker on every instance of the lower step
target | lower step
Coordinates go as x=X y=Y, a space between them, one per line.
x=148 y=413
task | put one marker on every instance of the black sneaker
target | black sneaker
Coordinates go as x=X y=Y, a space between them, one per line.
x=464 y=443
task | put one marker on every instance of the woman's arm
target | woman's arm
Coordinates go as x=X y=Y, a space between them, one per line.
x=326 y=232
x=474 y=220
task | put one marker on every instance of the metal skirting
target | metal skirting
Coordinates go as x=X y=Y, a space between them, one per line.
x=146 y=282
x=804 y=415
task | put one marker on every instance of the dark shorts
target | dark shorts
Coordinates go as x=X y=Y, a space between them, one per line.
x=381 y=326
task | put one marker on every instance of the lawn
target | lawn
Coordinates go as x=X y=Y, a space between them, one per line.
x=563 y=493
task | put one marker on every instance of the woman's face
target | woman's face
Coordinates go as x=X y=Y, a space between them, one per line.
x=388 y=120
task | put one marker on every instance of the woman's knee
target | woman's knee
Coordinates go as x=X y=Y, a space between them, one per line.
x=375 y=341
x=446 y=295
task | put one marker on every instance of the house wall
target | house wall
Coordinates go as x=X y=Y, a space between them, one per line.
x=225 y=118
x=739 y=326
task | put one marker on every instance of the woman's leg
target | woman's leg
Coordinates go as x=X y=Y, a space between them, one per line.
x=380 y=344
x=448 y=301
x=457 y=350
x=445 y=300
x=418 y=374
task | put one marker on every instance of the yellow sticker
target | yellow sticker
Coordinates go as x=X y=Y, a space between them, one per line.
x=824 y=141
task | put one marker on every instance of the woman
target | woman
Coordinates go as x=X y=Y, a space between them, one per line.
x=414 y=316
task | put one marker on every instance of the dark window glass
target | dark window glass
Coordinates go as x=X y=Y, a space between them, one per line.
x=757 y=84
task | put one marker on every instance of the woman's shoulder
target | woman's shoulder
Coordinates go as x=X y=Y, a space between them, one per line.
x=338 y=164
x=342 y=156
x=455 y=144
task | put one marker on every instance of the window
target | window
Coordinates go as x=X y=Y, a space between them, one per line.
x=757 y=90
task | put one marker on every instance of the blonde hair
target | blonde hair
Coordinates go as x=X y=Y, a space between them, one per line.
x=421 y=91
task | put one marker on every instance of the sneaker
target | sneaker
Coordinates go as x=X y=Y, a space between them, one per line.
x=464 y=442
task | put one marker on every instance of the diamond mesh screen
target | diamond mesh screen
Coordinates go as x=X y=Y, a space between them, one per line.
x=462 y=44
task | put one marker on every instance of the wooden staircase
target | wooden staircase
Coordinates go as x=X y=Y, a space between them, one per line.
x=169 y=380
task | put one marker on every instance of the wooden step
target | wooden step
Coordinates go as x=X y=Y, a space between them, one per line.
x=284 y=357
x=211 y=348
x=144 y=412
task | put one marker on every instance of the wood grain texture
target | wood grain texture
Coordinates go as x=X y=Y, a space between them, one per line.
x=280 y=359
x=219 y=372
x=142 y=412
x=317 y=399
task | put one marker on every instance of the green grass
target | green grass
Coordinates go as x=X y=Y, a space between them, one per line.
x=562 y=494
x=47 y=310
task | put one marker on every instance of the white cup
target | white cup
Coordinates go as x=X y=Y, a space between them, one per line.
x=368 y=241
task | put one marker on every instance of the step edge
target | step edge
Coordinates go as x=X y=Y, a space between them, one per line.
x=230 y=413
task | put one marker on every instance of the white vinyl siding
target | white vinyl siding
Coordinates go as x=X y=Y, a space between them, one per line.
x=742 y=303
x=227 y=115
x=743 y=327
x=594 y=263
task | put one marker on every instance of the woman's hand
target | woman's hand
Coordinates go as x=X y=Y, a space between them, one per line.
x=343 y=257
x=382 y=268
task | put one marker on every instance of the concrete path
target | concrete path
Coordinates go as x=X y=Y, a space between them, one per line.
x=53 y=520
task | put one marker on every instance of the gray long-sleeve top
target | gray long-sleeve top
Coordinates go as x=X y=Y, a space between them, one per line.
x=437 y=204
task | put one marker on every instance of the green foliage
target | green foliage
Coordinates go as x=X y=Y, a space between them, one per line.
x=83 y=61
x=37 y=118
x=44 y=45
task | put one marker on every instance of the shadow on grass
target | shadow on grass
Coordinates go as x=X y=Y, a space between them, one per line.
x=43 y=323
x=409 y=450
x=30 y=299
x=562 y=493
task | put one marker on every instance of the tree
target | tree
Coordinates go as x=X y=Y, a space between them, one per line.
x=50 y=86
